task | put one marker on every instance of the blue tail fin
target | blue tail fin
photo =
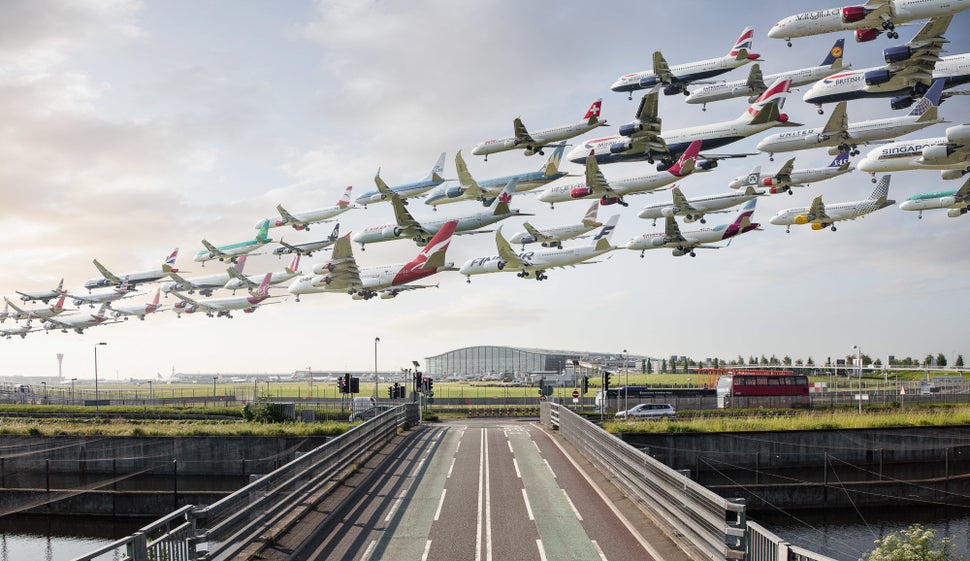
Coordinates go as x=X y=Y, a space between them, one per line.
x=835 y=53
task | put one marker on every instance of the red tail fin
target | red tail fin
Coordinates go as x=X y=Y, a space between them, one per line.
x=681 y=167
x=345 y=199
x=439 y=243
x=594 y=109
x=263 y=289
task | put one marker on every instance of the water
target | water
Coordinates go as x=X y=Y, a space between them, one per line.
x=38 y=538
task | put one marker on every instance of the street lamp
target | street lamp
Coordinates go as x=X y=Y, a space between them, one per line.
x=214 y=378
x=859 y=372
x=626 y=388
x=72 y=390
x=376 y=341
x=149 y=390
x=97 y=394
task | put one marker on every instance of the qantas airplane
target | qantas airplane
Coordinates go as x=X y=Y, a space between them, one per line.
x=309 y=247
x=341 y=273
x=684 y=243
x=597 y=187
x=553 y=237
x=41 y=313
x=485 y=191
x=137 y=310
x=950 y=154
x=405 y=190
x=110 y=279
x=642 y=140
x=957 y=201
x=697 y=207
x=205 y=285
x=755 y=84
x=841 y=135
x=44 y=296
x=303 y=220
x=787 y=177
x=223 y=307
x=821 y=216
x=234 y=251
x=535 y=142
x=536 y=263
x=119 y=293
x=78 y=323
x=676 y=79
x=868 y=20
x=239 y=280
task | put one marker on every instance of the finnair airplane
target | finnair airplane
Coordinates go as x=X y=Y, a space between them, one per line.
x=303 y=220
x=204 y=284
x=841 y=135
x=958 y=201
x=756 y=83
x=697 y=207
x=676 y=79
x=684 y=243
x=110 y=279
x=485 y=191
x=239 y=280
x=223 y=307
x=868 y=20
x=950 y=154
x=137 y=310
x=44 y=296
x=536 y=142
x=309 y=247
x=234 y=251
x=787 y=177
x=41 y=313
x=341 y=273
x=536 y=263
x=405 y=190
x=78 y=323
x=821 y=216
x=553 y=237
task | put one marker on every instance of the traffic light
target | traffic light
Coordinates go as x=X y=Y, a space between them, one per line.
x=392 y=391
x=418 y=382
x=398 y=391
x=584 y=384
x=354 y=385
x=430 y=385
x=606 y=380
x=344 y=383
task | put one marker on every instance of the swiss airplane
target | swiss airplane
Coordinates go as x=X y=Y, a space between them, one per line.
x=485 y=191
x=787 y=177
x=957 y=202
x=118 y=293
x=239 y=280
x=79 y=322
x=868 y=20
x=341 y=273
x=756 y=82
x=642 y=139
x=303 y=220
x=41 y=313
x=839 y=134
x=405 y=190
x=684 y=243
x=234 y=251
x=204 y=284
x=950 y=154
x=309 y=247
x=821 y=216
x=110 y=279
x=596 y=186
x=697 y=207
x=536 y=142
x=553 y=237
x=676 y=79
x=223 y=307
x=535 y=263
x=137 y=310
x=44 y=296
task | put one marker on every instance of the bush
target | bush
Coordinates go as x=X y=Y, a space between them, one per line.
x=913 y=544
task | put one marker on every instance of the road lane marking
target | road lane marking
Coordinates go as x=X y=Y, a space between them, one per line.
x=427 y=550
x=369 y=551
x=599 y=550
x=450 y=469
x=528 y=507
x=550 y=468
x=515 y=464
x=481 y=499
x=390 y=513
x=542 y=551
x=488 y=504
x=572 y=506
x=441 y=503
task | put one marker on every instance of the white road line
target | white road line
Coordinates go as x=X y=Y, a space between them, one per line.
x=390 y=513
x=451 y=468
x=417 y=467
x=481 y=499
x=488 y=504
x=509 y=442
x=369 y=551
x=441 y=503
x=516 y=465
x=550 y=468
x=427 y=550
x=572 y=506
x=528 y=507
x=542 y=552
x=599 y=550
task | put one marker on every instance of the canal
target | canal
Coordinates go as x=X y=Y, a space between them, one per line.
x=58 y=538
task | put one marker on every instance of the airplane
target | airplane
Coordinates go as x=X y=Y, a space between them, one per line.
x=205 y=285
x=908 y=73
x=223 y=307
x=341 y=273
x=234 y=251
x=303 y=220
x=839 y=134
x=787 y=177
x=676 y=79
x=868 y=20
x=553 y=237
x=535 y=142
x=596 y=186
x=485 y=191
x=110 y=279
x=309 y=247
x=957 y=201
x=119 y=293
x=44 y=296
x=77 y=323
x=22 y=330
x=536 y=263
x=138 y=310
x=407 y=227
x=821 y=217
x=5 y=313
x=405 y=190
x=642 y=139
x=239 y=280
x=950 y=154
x=698 y=207
x=684 y=243
x=42 y=313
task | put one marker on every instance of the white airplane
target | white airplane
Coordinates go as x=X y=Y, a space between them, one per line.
x=676 y=79
x=642 y=139
x=698 y=207
x=407 y=227
x=868 y=20
x=309 y=247
x=553 y=237
x=684 y=243
x=341 y=273
x=596 y=186
x=234 y=251
x=405 y=190
x=78 y=323
x=137 y=310
x=839 y=134
x=44 y=296
x=536 y=142
x=536 y=263
x=787 y=177
x=204 y=284
x=40 y=313
x=907 y=74
x=110 y=279
x=239 y=280
x=950 y=154
x=821 y=216
x=303 y=220
x=223 y=307
x=756 y=82
x=22 y=330
x=119 y=293
x=958 y=201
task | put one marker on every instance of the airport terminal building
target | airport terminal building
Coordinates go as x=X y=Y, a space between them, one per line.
x=495 y=362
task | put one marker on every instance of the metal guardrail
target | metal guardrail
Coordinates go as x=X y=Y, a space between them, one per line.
x=763 y=545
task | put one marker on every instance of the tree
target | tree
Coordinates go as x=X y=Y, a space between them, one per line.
x=663 y=366
x=914 y=543
x=809 y=362
x=928 y=361
x=649 y=366
x=959 y=362
x=877 y=363
x=940 y=360
x=787 y=360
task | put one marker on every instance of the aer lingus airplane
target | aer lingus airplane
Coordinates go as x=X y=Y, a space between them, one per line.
x=684 y=243
x=821 y=216
x=537 y=141
x=957 y=202
x=234 y=251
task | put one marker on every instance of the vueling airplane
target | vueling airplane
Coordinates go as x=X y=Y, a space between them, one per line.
x=536 y=142
x=821 y=216
x=233 y=252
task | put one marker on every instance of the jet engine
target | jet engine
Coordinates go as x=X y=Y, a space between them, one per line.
x=866 y=35
x=391 y=232
x=902 y=102
x=324 y=267
x=956 y=212
x=939 y=153
x=388 y=294
x=948 y=201
x=580 y=192
x=952 y=173
x=674 y=89
x=959 y=134
x=660 y=241
x=606 y=201
x=249 y=310
x=898 y=53
x=802 y=219
x=852 y=14
x=876 y=77
x=630 y=129
x=705 y=164
x=454 y=192
x=668 y=211
x=817 y=226
x=680 y=252
x=620 y=147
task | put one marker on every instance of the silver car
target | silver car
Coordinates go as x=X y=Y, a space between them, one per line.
x=648 y=411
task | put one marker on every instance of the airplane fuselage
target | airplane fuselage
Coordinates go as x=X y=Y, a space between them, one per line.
x=308 y=217
x=693 y=238
x=276 y=278
x=304 y=248
x=533 y=261
x=798 y=177
x=941 y=199
x=371 y=279
x=862 y=132
x=208 y=282
x=830 y=20
x=739 y=88
x=626 y=186
x=404 y=191
x=133 y=278
x=524 y=182
x=688 y=72
x=698 y=206
x=835 y=213
x=229 y=251
x=542 y=138
x=555 y=235
x=389 y=232
x=940 y=153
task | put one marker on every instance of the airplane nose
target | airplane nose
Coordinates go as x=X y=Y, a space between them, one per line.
x=810 y=95
x=477 y=150
x=578 y=154
x=777 y=31
x=776 y=220
x=763 y=145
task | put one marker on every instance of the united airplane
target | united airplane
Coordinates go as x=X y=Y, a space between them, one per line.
x=309 y=247
x=223 y=307
x=536 y=142
x=676 y=79
x=957 y=202
x=303 y=220
x=696 y=208
x=950 y=154
x=111 y=279
x=405 y=190
x=234 y=251
x=684 y=243
x=535 y=264
x=137 y=310
x=787 y=177
x=205 y=285
x=44 y=296
x=821 y=216
x=553 y=237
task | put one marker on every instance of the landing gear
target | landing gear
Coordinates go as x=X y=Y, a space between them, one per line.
x=771 y=156
x=692 y=254
x=703 y=221
x=789 y=43
x=920 y=216
x=787 y=229
x=834 y=228
x=820 y=110
x=704 y=107
x=641 y=254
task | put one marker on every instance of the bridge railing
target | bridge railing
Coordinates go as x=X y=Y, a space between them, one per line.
x=763 y=545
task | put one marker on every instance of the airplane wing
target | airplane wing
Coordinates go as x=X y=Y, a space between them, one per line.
x=756 y=80
x=241 y=278
x=345 y=273
x=214 y=252
x=465 y=178
x=194 y=303
x=672 y=231
x=505 y=252
x=107 y=274
x=817 y=212
x=522 y=135
x=290 y=219
x=393 y=291
x=838 y=122
x=405 y=221
x=595 y=179
x=680 y=201
x=536 y=233
x=925 y=48
x=662 y=69
x=784 y=174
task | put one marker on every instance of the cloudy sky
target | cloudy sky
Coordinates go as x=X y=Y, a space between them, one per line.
x=129 y=128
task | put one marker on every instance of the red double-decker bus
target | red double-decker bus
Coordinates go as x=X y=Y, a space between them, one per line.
x=754 y=388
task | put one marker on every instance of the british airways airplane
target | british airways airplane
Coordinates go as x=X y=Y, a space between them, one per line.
x=535 y=142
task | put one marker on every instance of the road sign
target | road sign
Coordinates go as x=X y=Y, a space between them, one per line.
x=576 y=393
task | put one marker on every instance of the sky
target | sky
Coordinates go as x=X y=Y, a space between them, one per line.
x=129 y=128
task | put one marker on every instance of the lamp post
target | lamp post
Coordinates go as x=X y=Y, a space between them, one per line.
x=214 y=378
x=626 y=388
x=45 y=391
x=72 y=390
x=97 y=394
x=376 y=341
x=859 y=372
x=149 y=390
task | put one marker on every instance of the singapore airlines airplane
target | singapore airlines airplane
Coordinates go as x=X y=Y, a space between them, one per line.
x=535 y=142
x=302 y=220
x=676 y=79
x=698 y=207
x=110 y=279
x=950 y=154
x=957 y=201
x=405 y=190
x=234 y=251
x=223 y=307
x=44 y=296
x=684 y=243
x=137 y=310
x=787 y=177
x=821 y=216
x=553 y=237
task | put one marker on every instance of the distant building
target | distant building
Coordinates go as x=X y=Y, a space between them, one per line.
x=495 y=362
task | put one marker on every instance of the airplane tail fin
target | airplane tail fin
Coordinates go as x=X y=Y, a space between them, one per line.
x=240 y=263
x=158 y=293
x=747 y=211
x=505 y=198
x=60 y=286
x=589 y=220
x=169 y=264
x=124 y=285
x=59 y=305
x=881 y=191
x=743 y=45
x=335 y=233
x=432 y=256
x=774 y=96
x=685 y=164
x=437 y=170
x=263 y=289
x=834 y=57
x=101 y=311
x=263 y=234
x=841 y=160
x=754 y=177
x=294 y=265
x=602 y=238
x=344 y=201
x=551 y=167
x=593 y=113
x=926 y=107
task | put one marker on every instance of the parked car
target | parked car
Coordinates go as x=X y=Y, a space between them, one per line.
x=648 y=411
x=366 y=414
